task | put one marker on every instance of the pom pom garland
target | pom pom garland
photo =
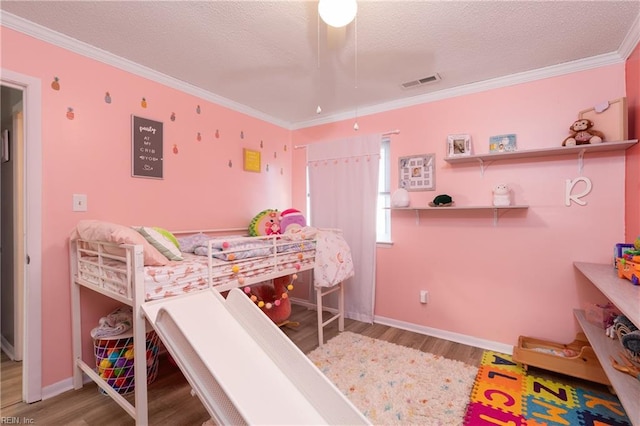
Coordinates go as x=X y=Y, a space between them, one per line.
x=267 y=305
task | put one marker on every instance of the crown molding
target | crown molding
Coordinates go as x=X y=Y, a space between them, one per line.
x=631 y=40
x=53 y=37
x=58 y=39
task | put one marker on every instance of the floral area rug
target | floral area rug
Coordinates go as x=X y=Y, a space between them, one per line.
x=395 y=385
x=506 y=394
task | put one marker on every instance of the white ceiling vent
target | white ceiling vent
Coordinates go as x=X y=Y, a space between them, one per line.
x=419 y=82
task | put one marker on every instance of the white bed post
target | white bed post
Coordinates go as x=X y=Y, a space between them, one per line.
x=341 y=307
x=139 y=340
x=319 y=311
x=76 y=322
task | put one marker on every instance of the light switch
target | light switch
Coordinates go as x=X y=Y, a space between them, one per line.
x=79 y=202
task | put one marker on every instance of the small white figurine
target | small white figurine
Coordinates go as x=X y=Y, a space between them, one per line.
x=501 y=195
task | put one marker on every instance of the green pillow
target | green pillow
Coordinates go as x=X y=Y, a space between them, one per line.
x=160 y=242
x=168 y=235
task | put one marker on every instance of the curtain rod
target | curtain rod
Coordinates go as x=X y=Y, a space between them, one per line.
x=389 y=133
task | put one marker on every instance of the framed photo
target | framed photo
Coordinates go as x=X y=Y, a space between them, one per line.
x=418 y=173
x=251 y=160
x=502 y=143
x=458 y=145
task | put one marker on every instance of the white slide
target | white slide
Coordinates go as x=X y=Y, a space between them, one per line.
x=243 y=368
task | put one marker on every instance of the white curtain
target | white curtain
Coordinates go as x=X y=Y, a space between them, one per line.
x=343 y=187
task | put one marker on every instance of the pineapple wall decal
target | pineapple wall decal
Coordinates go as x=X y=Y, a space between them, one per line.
x=55 y=84
x=143 y=103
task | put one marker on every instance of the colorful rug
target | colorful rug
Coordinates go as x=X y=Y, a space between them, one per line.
x=395 y=385
x=505 y=394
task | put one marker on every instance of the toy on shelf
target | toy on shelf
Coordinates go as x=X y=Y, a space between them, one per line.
x=576 y=359
x=442 y=200
x=501 y=195
x=582 y=133
x=629 y=264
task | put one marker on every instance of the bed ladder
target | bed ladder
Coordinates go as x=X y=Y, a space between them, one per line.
x=320 y=293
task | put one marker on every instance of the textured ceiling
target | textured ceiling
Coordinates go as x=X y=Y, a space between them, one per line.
x=277 y=60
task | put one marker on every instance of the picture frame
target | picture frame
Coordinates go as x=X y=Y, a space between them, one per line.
x=458 y=145
x=502 y=143
x=147 y=146
x=5 y=146
x=251 y=160
x=417 y=172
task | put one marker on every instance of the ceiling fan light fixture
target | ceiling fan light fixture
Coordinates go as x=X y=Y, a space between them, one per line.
x=337 y=13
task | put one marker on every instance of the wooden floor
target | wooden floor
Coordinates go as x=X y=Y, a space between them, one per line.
x=170 y=401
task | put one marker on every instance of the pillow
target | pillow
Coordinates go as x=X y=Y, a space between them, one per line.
x=162 y=243
x=168 y=235
x=97 y=230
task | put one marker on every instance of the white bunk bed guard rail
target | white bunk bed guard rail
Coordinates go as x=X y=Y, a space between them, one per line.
x=245 y=370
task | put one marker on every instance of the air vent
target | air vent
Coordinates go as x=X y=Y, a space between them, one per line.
x=421 y=81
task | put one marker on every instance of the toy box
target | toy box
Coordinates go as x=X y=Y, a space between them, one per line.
x=619 y=250
x=601 y=315
x=576 y=359
x=629 y=269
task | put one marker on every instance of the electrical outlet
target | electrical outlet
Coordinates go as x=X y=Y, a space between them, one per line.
x=424 y=296
x=79 y=202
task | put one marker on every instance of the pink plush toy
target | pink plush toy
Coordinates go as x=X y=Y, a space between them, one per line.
x=291 y=220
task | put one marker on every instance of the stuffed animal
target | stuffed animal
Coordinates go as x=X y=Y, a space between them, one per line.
x=291 y=221
x=582 y=133
x=442 y=200
x=501 y=195
x=267 y=222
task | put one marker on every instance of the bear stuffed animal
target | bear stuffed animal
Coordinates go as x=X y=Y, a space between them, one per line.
x=501 y=195
x=582 y=133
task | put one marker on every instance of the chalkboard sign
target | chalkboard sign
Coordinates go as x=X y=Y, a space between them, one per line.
x=146 y=148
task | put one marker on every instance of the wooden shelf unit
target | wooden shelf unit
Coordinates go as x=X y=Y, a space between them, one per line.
x=496 y=210
x=626 y=297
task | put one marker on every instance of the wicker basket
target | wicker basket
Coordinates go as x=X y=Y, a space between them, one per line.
x=115 y=357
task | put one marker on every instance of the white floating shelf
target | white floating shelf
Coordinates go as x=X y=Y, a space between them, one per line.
x=543 y=152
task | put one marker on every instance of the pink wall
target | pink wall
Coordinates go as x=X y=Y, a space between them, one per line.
x=632 y=168
x=486 y=282
x=91 y=154
x=497 y=283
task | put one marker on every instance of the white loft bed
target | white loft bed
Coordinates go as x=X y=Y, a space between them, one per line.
x=118 y=272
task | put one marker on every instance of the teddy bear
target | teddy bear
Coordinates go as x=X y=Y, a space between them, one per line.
x=582 y=133
x=501 y=195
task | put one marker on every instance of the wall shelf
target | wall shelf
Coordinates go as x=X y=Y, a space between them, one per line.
x=580 y=150
x=497 y=210
x=625 y=296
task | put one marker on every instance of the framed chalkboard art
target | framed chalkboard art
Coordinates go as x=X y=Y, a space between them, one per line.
x=146 y=148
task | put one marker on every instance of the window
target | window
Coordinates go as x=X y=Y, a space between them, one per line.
x=383 y=211
x=383 y=216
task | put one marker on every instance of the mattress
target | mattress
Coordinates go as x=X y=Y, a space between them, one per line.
x=190 y=274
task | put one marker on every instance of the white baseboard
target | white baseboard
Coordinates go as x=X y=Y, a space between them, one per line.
x=427 y=331
x=447 y=335
x=7 y=348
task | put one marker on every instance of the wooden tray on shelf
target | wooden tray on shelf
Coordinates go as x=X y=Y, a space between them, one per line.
x=539 y=353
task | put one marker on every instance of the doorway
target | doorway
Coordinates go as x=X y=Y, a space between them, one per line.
x=11 y=330
x=20 y=232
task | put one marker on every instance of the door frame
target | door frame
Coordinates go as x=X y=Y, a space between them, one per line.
x=32 y=233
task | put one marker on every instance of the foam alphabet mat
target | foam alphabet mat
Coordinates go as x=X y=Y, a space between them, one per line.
x=505 y=394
